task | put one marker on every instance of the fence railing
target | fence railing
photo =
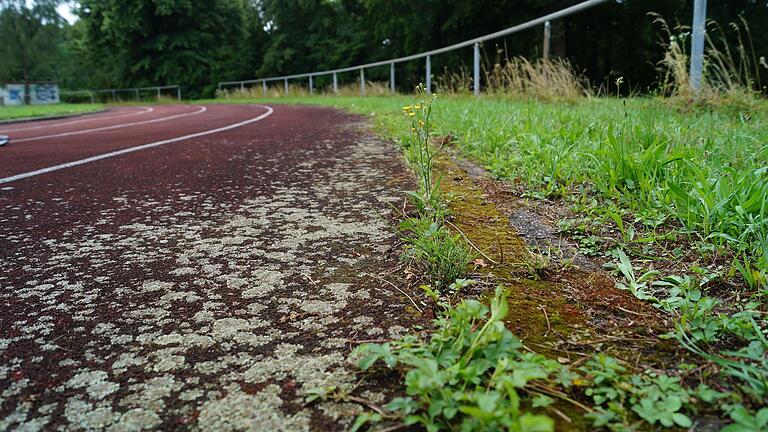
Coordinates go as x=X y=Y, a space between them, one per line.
x=544 y=20
x=136 y=91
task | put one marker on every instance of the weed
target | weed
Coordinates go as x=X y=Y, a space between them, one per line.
x=638 y=286
x=444 y=257
x=467 y=375
x=420 y=152
x=537 y=263
x=730 y=78
x=653 y=397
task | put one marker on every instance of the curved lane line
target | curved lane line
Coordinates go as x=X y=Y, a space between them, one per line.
x=145 y=111
x=137 y=148
x=85 y=131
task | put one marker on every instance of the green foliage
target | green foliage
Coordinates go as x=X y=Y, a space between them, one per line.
x=28 y=34
x=444 y=257
x=467 y=375
x=638 y=286
x=744 y=421
x=470 y=373
x=653 y=397
x=700 y=323
x=150 y=42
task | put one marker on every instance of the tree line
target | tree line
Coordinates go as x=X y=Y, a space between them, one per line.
x=197 y=43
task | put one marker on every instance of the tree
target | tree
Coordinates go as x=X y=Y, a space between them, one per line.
x=192 y=43
x=28 y=37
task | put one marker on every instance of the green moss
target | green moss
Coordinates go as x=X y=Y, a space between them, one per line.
x=487 y=227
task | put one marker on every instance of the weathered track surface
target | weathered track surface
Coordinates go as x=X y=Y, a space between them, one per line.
x=205 y=284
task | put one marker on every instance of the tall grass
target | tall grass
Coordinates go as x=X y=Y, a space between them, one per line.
x=517 y=77
x=731 y=70
x=372 y=88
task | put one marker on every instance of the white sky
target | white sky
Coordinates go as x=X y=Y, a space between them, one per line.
x=65 y=10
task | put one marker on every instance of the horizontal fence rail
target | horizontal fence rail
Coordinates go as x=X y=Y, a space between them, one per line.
x=543 y=20
x=135 y=90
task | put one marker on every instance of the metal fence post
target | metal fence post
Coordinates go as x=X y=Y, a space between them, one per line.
x=362 y=82
x=476 y=67
x=311 y=87
x=178 y=93
x=263 y=88
x=547 y=39
x=429 y=75
x=93 y=97
x=242 y=87
x=286 y=86
x=158 y=94
x=137 y=95
x=392 y=78
x=114 y=95
x=335 y=84
x=698 y=31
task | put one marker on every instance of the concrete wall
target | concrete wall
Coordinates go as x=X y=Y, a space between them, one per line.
x=40 y=94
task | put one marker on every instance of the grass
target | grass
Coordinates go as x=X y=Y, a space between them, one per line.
x=33 y=111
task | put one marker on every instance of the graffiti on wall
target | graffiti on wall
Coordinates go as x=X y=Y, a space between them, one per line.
x=40 y=94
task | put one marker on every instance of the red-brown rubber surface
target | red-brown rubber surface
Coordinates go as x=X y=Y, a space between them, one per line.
x=22 y=156
x=206 y=284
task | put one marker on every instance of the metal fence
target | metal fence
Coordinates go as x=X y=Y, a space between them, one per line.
x=695 y=67
x=134 y=93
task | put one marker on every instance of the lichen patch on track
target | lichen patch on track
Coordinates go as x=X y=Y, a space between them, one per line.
x=185 y=311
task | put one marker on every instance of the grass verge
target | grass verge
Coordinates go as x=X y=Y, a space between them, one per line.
x=42 y=111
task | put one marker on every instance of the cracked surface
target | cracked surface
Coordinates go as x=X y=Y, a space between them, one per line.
x=211 y=296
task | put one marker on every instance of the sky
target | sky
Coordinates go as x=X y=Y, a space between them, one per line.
x=65 y=10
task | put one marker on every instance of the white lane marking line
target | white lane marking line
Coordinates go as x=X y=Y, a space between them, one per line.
x=137 y=148
x=119 y=126
x=145 y=111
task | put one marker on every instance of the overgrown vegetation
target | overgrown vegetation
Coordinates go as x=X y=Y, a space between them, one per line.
x=517 y=77
x=732 y=67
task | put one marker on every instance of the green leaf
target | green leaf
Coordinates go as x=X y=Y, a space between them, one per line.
x=364 y=418
x=682 y=420
x=536 y=423
x=542 y=401
x=476 y=412
x=487 y=401
x=366 y=362
x=499 y=306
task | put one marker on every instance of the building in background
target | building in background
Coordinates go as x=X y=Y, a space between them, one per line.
x=40 y=92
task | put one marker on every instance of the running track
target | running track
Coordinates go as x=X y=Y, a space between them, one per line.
x=184 y=267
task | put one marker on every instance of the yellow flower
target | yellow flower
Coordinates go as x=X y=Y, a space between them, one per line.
x=417 y=106
x=411 y=114
x=421 y=123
